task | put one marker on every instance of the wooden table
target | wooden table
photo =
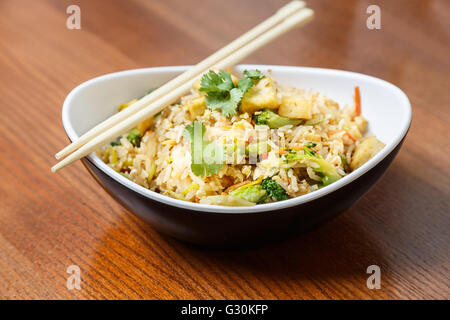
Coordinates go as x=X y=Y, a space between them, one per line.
x=51 y=221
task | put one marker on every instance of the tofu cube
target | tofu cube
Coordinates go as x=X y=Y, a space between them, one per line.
x=196 y=107
x=296 y=108
x=365 y=151
x=144 y=125
x=263 y=95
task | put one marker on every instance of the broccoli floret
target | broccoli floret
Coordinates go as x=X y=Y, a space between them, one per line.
x=273 y=120
x=254 y=193
x=260 y=191
x=325 y=170
x=134 y=136
x=274 y=189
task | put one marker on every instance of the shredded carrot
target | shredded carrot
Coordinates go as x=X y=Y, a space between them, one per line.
x=229 y=70
x=149 y=131
x=357 y=102
x=283 y=152
x=350 y=136
x=298 y=147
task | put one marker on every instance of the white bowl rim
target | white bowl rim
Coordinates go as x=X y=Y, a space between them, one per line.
x=95 y=160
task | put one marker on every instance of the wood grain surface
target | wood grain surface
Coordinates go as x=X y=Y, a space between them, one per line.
x=51 y=221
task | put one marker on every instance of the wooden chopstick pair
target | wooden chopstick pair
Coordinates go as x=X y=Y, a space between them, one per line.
x=292 y=15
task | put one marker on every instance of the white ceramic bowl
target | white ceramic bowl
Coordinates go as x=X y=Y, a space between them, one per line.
x=384 y=105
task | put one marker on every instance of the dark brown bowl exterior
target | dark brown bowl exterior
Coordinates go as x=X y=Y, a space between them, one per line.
x=240 y=229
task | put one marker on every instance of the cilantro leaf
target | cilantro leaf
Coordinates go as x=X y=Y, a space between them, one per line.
x=222 y=94
x=245 y=84
x=220 y=82
x=206 y=157
x=226 y=103
x=254 y=74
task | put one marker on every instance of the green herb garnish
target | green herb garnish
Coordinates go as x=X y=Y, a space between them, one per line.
x=222 y=94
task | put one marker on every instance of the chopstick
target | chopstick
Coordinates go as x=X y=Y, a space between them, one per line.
x=297 y=19
x=200 y=68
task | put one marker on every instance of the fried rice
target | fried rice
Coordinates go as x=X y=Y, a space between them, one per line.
x=161 y=160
